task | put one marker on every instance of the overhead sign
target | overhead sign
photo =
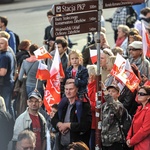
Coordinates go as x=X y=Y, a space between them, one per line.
x=119 y=3
x=74 y=29
x=75 y=7
x=77 y=18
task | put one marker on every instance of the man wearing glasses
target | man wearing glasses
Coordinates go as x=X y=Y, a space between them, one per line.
x=137 y=58
x=32 y=120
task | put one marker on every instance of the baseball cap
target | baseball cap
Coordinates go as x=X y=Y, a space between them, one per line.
x=35 y=94
x=113 y=86
x=136 y=45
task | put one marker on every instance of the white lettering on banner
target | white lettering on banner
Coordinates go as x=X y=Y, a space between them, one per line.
x=48 y=97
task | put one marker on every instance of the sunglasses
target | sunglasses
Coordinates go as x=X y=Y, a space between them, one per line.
x=134 y=49
x=142 y=94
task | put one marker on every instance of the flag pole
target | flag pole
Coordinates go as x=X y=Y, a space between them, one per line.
x=98 y=144
x=36 y=84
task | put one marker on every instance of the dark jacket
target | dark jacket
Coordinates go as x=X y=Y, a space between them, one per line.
x=80 y=131
x=20 y=56
x=81 y=79
x=127 y=98
x=6 y=129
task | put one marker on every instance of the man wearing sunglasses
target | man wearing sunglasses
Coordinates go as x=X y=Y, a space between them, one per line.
x=137 y=58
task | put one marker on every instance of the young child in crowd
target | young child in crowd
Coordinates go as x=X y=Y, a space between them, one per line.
x=77 y=72
x=79 y=75
x=112 y=111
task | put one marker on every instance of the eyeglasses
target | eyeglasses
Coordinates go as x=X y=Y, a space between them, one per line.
x=142 y=94
x=134 y=49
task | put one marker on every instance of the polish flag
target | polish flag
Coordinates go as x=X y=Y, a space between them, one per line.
x=93 y=55
x=118 y=65
x=42 y=72
x=127 y=76
x=145 y=41
x=52 y=92
x=42 y=53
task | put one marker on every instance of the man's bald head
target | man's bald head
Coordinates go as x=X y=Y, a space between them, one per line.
x=3 y=44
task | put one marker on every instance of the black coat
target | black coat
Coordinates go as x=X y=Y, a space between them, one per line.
x=80 y=131
x=6 y=129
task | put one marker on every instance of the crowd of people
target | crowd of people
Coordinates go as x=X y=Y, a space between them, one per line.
x=71 y=124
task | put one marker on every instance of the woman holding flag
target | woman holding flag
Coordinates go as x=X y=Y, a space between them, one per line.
x=29 y=69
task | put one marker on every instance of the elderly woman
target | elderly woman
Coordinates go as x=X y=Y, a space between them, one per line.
x=105 y=54
x=139 y=133
x=122 y=38
x=109 y=64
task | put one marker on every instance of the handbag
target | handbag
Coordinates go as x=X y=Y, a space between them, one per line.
x=21 y=94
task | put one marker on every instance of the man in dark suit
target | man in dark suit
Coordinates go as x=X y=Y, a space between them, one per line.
x=72 y=126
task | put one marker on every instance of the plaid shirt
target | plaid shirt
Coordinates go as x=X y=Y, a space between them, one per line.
x=119 y=17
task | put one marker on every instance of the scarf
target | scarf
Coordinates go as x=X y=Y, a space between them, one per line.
x=119 y=41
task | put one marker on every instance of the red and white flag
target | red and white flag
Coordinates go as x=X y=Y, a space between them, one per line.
x=42 y=53
x=127 y=76
x=52 y=92
x=118 y=65
x=42 y=72
x=145 y=41
x=93 y=55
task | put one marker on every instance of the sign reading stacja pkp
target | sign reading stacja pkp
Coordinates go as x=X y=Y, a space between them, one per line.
x=76 y=18
x=81 y=17
x=75 y=7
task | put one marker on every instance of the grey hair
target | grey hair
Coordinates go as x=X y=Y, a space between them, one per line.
x=2 y=104
x=27 y=134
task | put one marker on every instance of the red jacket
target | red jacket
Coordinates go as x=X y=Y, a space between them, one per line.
x=139 y=133
x=91 y=95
